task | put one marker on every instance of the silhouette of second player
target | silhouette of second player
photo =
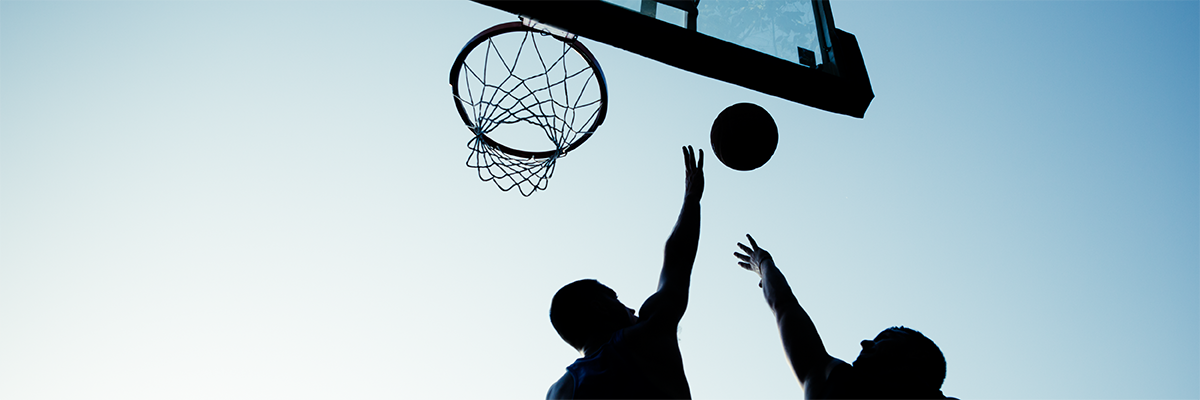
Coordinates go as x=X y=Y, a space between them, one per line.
x=899 y=363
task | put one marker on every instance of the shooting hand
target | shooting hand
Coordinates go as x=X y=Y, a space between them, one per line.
x=694 y=166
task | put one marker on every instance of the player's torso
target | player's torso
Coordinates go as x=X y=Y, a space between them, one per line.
x=632 y=366
x=660 y=360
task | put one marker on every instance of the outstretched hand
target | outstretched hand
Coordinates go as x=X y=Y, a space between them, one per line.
x=694 y=165
x=754 y=259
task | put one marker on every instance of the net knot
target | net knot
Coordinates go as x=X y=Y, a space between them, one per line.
x=478 y=131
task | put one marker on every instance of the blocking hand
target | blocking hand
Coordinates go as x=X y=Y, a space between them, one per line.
x=754 y=259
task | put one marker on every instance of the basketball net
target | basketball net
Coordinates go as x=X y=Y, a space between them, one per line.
x=527 y=75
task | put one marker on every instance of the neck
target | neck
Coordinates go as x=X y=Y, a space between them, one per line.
x=593 y=345
x=591 y=348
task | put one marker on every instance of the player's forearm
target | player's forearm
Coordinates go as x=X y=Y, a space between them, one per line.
x=801 y=341
x=680 y=250
x=776 y=290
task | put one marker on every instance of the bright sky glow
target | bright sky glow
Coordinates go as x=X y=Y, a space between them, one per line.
x=248 y=200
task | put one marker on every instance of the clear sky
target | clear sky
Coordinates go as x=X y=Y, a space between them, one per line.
x=254 y=200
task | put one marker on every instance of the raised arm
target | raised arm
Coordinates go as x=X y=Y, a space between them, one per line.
x=666 y=306
x=801 y=342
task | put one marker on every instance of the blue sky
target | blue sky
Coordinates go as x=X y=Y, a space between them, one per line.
x=269 y=200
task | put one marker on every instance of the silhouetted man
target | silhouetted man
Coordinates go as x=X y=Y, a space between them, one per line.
x=625 y=356
x=900 y=363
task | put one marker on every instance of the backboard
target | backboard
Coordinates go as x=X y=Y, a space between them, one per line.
x=785 y=48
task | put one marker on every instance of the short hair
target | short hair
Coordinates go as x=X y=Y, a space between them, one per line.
x=928 y=365
x=572 y=314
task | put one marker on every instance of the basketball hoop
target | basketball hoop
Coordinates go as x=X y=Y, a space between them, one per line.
x=526 y=75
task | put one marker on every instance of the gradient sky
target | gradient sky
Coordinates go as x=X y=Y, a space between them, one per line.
x=256 y=200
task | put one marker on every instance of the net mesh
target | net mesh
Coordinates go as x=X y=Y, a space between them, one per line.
x=526 y=78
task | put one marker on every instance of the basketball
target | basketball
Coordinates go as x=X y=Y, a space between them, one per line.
x=744 y=136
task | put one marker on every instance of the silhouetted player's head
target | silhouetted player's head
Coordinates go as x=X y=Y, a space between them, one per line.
x=902 y=363
x=585 y=310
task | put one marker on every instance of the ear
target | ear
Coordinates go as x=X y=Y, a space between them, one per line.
x=595 y=312
x=594 y=306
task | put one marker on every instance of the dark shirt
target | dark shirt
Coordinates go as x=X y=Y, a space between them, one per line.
x=611 y=374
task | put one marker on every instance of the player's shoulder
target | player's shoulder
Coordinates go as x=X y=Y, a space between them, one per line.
x=837 y=367
x=563 y=389
x=835 y=380
x=656 y=314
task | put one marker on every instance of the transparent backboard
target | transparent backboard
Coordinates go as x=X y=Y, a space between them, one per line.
x=785 y=48
x=784 y=29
